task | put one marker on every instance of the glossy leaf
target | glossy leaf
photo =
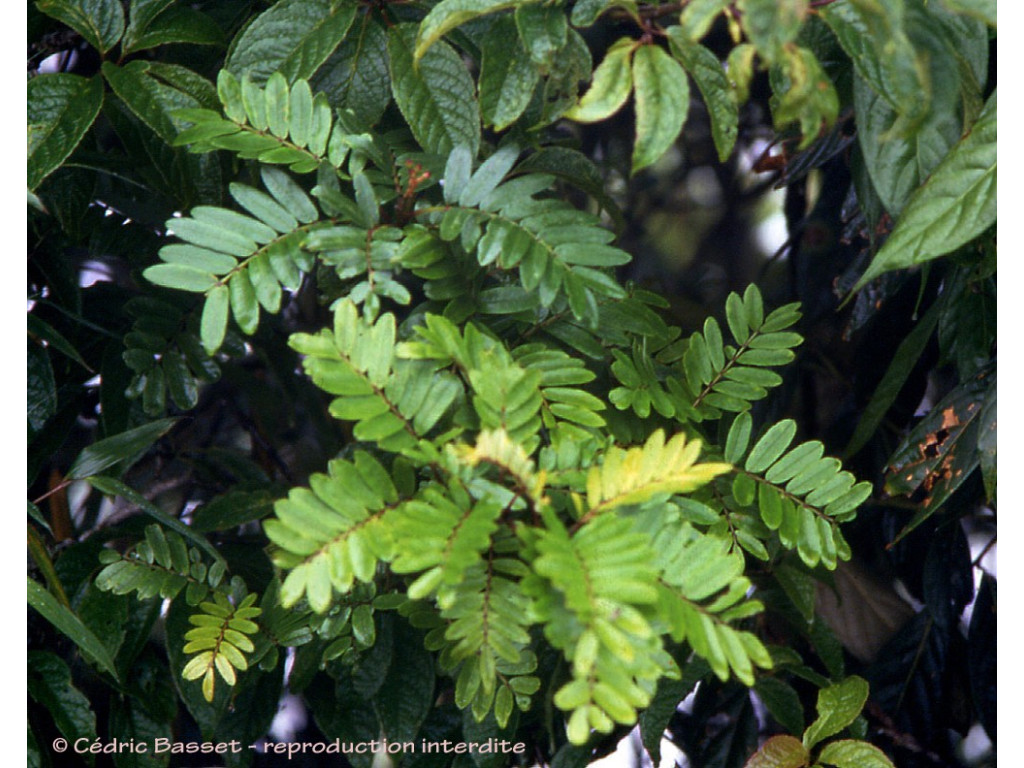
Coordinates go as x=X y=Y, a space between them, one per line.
x=780 y=752
x=953 y=206
x=610 y=86
x=293 y=37
x=436 y=95
x=900 y=157
x=50 y=684
x=875 y=38
x=838 y=706
x=710 y=76
x=848 y=753
x=662 y=95
x=448 y=14
x=61 y=108
x=105 y=453
x=99 y=22
x=69 y=624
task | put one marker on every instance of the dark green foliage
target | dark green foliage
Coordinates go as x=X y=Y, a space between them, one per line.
x=340 y=350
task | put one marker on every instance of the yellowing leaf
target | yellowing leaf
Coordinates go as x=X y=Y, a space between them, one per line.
x=636 y=475
x=448 y=14
x=610 y=87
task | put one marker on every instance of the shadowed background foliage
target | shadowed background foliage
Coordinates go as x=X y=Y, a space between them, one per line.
x=818 y=164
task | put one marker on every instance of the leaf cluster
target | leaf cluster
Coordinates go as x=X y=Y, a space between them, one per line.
x=368 y=265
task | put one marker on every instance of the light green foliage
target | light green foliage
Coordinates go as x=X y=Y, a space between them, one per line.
x=613 y=80
x=799 y=494
x=220 y=640
x=716 y=376
x=662 y=95
x=237 y=260
x=161 y=564
x=276 y=124
x=484 y=500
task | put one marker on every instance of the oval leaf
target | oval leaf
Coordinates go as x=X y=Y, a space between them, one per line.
x=610 y=87
x=662 y=101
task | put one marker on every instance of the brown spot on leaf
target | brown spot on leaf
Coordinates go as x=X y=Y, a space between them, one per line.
x=949 y=418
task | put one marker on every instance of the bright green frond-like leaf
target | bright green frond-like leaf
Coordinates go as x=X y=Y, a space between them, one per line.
x=159 y=565
x=220 y=640
x=276 y=123
x=800 y=493
x=722 y=377
x=240 y=261
x=651 y=472
x=394 y=402
x=702 y=588
x=599 y=576
x=331 y=534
